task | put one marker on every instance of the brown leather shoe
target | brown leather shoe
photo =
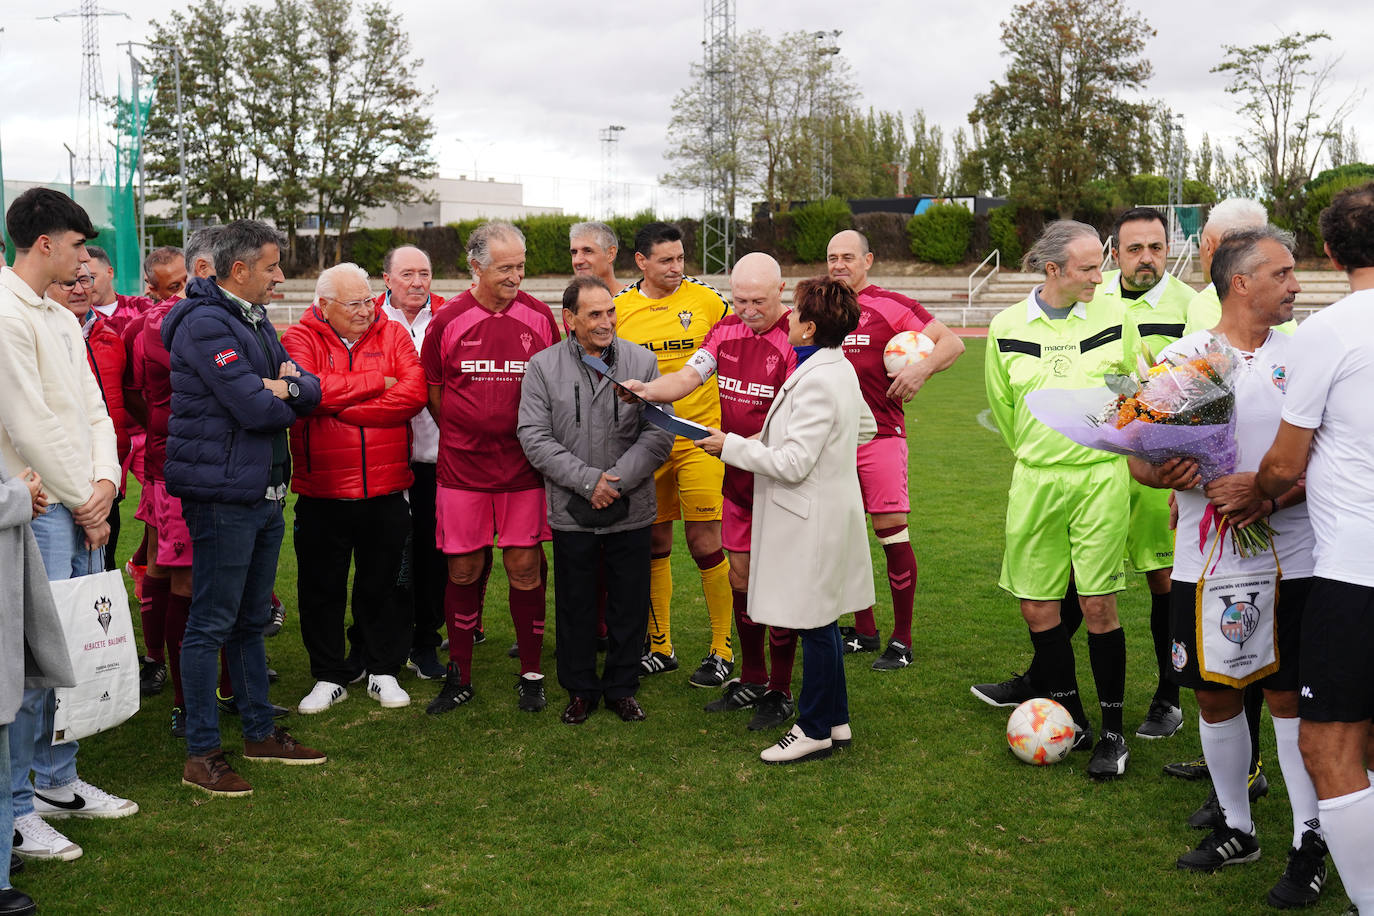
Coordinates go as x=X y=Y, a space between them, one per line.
x=627 y=708
x=212 y=773
x=577 y=711
x=280 y=747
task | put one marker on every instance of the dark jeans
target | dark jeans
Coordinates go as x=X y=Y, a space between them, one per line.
x=112 y=544
x=428 y=565
x=576 y=557
x=233 y=568
x=371 y=534
x=823 y=702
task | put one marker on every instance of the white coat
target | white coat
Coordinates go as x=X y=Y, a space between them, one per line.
x=809 y=561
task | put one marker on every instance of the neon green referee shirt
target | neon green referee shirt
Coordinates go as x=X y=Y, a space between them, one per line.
x=1160 y=313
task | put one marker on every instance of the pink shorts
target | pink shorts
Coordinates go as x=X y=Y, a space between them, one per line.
x=173 y=537
x=735 y=525
x=147 y=511
x=137 y=453
x=882 y=475
x=469 y=520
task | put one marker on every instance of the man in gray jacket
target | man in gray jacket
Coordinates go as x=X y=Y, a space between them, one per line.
x=597 y=455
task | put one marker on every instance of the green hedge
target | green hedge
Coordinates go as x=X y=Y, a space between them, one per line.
x=806 y=231
x=1321 y=189
x=941 y=234
x=1002 y=231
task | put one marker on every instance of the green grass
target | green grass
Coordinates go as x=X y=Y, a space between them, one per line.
x=488 y=809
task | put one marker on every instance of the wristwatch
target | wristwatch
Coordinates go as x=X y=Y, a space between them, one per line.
x=293 y=390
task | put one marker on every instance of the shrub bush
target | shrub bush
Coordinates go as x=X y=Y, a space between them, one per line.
x=807 y=230
x=367 y=247
x=1002 y=235
x=886 y=234
x=1319 y=192
x=942 y=234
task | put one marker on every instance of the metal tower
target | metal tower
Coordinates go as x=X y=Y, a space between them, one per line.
x=718 y=218
x=823 y=108
x=1176 y=156
x=91 y=159
x=610 y=138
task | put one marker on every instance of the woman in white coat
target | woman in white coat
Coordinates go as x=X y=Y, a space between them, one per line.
x=809 y=557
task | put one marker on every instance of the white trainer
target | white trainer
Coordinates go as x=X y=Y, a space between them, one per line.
x=324 y=695
x=841 y=736
x=384 y=689
x=35 y=838
x=80 y=799
x=794 y=747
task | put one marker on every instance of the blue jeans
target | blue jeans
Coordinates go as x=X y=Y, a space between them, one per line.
x=233 y=568
x=824 y=701
x=6 y=814
x=62 y=544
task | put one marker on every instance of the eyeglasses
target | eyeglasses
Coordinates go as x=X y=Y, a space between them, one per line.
x=357 y=305
x=87 y=281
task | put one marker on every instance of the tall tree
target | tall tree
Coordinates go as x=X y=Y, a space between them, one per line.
x=927 y=164
x=1059 y=117
x=1287 y=124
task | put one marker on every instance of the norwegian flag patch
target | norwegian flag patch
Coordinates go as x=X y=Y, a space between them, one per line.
x=225 y=357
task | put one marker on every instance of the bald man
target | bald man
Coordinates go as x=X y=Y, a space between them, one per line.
x=883 y=460
x=750 y=357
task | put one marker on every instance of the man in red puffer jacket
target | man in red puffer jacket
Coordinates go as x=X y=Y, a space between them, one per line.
x=351 y=458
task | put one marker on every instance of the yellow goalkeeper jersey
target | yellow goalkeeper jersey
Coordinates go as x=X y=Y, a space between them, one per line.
x=674 y=328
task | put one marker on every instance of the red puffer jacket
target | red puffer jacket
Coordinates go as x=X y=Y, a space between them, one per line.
x=105 y=353
x=356 y=444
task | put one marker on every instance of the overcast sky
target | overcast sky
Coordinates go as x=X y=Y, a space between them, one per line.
x=526 y=85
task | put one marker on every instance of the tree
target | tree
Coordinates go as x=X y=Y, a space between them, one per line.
x=1059 y=119
x=1283 y=107
x=926 y=160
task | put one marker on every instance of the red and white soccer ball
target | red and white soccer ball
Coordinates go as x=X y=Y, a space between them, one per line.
x=1040 y=732
x=905 y=348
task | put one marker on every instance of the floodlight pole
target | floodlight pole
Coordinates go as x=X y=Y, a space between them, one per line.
x=71 y=171
x=181 y=126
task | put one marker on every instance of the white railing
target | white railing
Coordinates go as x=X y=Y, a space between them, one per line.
x=1185 y=257
x=995 y=256
x=1106 y=253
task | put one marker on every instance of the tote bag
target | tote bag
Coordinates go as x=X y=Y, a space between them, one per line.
x=100 y=640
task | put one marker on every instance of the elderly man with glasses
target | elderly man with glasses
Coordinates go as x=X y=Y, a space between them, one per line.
x=352 y=467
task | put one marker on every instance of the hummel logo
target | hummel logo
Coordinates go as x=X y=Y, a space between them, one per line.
x=1306 y=692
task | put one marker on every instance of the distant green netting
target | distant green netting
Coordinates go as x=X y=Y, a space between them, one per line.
x=121 y=239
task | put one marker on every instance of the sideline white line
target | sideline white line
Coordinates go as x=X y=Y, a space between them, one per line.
x=985 y=421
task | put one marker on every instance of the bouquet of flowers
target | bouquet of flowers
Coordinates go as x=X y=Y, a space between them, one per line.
x=1179 y=408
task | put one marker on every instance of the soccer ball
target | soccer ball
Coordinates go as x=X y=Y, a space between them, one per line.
x=906 y=348
x=1041 y=732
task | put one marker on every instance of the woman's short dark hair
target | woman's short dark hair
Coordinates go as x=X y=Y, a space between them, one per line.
x=831 y=304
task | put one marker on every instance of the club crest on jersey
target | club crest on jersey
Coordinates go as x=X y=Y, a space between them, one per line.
x=1240 y=619
x=225 y=357
x=770 y=363
x=864 y=316
x=526 y=341
x=685 y=317
x=1060 y=366
x=1281 y=378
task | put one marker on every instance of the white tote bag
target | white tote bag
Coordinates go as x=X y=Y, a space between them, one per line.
x=100 y=640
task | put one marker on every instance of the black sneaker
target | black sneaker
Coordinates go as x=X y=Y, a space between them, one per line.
x=178 y=722
x=712 y=672
x=657 y=663
x=1162 y=721
x=513 y=651
x=531 y=692
x=452 y=695
x=854 y=642
x=1210 y=816
x=894 y=656
x=425 y=664
x=1014 y=691
x=230 y=706
x=737 y=695
x=152 y=677
x=1223 y=846
x=479 y=636
x=1301 y=883
x=1188 y=769
x=1083 y=741
x=1109 y=757
x=278 y=618
x=772 y=710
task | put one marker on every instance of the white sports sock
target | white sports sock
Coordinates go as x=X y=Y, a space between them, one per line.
x=1348 y=821
x=1302 y=795
x=1226 y=745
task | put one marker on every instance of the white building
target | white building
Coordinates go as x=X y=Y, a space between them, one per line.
x=455 y=199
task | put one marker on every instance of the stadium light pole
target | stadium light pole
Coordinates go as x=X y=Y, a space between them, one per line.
x=181 y=125
x=71 y=171
x=473 y=152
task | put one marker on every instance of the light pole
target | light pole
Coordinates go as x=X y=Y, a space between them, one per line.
x=71 y=171
x=825 y=114
x=181 y=125
x=474 y=153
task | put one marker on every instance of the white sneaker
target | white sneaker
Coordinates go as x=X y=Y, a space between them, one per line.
x=795 y=747
x=80 y=799
x=35 y=838
x=384 y=689
x=323 y=696
x=841 y=736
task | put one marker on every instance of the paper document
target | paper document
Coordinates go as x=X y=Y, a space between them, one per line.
x=652 y=412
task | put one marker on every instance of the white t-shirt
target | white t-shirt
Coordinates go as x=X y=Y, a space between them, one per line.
x=424 y=432
x=1331 y=390
x=1260 y=384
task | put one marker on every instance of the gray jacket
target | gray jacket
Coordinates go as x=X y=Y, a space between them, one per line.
x=33 y=650
x=573 y=427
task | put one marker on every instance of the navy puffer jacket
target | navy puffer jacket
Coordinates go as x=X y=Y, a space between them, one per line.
x=223 y=421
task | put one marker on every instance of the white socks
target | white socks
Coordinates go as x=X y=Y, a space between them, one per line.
x=1302 y=795
x=1226 y=745
x=1348 y=822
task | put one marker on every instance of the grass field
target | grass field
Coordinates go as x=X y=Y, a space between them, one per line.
x=489 y=809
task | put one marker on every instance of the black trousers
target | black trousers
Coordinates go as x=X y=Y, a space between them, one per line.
x=112 y=546
x=371 y=533
x=576 y=557
x=428 y=567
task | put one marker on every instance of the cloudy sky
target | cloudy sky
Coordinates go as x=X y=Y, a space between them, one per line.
x=523 y=86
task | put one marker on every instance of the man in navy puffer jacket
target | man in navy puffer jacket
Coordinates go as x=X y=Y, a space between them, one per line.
x=235 y=392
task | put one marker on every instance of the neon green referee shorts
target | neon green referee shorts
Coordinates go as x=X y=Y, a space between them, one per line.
x=1150 y=542
x=1065 y=516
